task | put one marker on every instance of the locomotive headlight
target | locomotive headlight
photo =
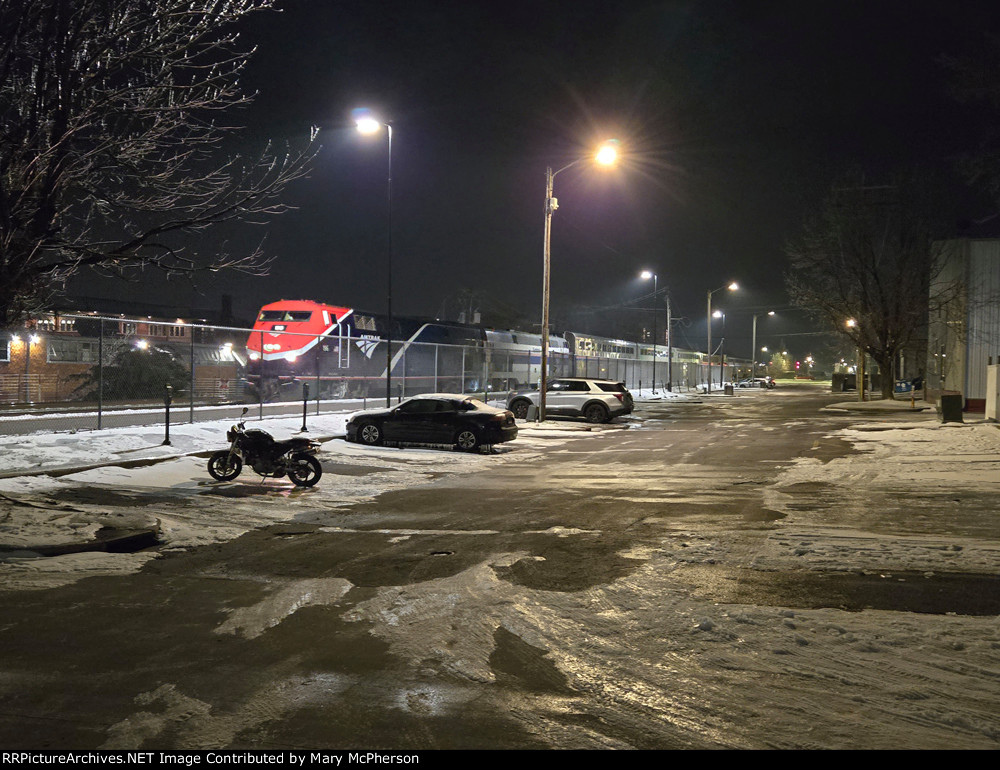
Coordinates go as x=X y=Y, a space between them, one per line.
x=292 y=357
x=254 y=356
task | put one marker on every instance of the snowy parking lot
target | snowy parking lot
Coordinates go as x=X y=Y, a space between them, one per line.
x=709 y=639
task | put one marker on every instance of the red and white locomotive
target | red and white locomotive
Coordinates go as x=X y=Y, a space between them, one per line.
x=287 y=330
x=340 y=351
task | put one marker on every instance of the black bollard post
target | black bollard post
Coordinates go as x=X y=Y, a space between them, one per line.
x=305 y=401
x=167 y=400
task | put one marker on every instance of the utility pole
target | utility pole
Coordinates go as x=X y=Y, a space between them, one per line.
x=670 y=349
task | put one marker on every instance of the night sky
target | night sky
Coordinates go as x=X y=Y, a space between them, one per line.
x=734 y=118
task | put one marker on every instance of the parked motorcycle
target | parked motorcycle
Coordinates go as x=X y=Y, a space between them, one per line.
x=268 y=457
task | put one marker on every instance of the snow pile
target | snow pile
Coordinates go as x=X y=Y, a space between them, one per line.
x=838 y=516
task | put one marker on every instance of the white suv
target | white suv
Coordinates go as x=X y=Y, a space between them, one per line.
x=594 y=400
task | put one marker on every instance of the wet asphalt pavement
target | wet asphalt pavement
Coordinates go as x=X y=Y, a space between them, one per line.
x=426 y=617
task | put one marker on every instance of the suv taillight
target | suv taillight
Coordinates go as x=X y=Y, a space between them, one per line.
x=619 y=396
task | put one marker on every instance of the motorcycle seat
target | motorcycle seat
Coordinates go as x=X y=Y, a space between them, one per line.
x=293 y=442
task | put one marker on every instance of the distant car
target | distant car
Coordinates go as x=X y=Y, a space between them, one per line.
x=596 y=401
x=718 y=387
x=434 y=418
x=756 y=382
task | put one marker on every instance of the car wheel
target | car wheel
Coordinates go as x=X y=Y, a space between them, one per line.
x=222 y=467
x=467 y=440
x=369 y=433
x=520 y=408
x=304 y=470
x=596 y=413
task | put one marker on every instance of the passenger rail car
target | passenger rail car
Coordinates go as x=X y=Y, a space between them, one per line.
x=340 y=352
x=515 y=358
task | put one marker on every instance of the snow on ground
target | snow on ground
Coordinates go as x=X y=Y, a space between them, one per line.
x=65 y=488
x=843 y=515
x=817 y=678
x=901 y=457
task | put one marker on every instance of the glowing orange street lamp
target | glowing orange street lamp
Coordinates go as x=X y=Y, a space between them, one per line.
x=606 y=155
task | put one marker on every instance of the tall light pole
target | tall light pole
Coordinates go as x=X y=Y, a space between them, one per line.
x=368 y=125
x=708 y=318
x=753 y=357
x=860 y=369
x=606 y=155
x=646 y=275
x=722 y=347
x=31 y=339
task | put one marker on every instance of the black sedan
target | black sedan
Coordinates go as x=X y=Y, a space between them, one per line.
x=434 y=418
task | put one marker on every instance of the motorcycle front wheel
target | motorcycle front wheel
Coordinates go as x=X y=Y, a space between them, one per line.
x=304 y=470
x=223 y=467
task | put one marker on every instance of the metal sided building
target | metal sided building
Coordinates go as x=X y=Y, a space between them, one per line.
x=964 y=334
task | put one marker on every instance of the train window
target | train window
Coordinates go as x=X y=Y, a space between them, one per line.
x=285 y=315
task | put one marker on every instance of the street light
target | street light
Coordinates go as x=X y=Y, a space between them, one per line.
x=607 y=155
x=722 y=347
x=367 y=124
x=731 y=287
x=34 y=339
x=862 y=365
x=646 y=275
x=753 y=347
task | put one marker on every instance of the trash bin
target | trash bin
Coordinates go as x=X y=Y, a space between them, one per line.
x=729 y=390
x=950 y=407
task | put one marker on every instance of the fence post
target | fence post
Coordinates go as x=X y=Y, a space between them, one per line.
x=367 y=374
x=305 y=405
x=191 y=397
x=260 y=381
x=402 y=392
x=100 y=374
x=167 y=399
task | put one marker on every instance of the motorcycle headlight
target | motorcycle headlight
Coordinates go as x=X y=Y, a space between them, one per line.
x=230 y=435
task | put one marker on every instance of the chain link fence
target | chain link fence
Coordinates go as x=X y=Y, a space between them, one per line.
x=86 y=372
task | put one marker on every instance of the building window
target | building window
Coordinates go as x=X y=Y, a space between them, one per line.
x=5 y=351
x=72 y=351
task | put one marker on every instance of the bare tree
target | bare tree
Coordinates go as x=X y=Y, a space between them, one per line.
x=114 y=153
x=865 y=264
